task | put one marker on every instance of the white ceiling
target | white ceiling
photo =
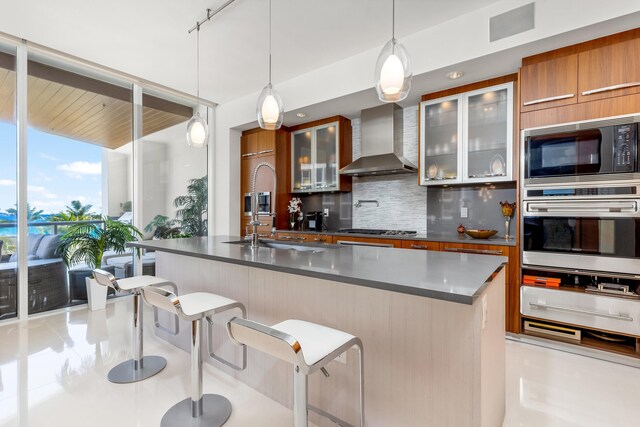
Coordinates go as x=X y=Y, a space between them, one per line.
x=149 y=39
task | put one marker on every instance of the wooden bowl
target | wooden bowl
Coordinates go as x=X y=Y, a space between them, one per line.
x=480 y=234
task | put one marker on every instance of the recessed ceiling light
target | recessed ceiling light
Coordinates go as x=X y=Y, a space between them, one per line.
x=455 y=75
x=301 y=114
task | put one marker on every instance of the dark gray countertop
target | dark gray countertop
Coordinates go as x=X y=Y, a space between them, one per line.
x=454 y=277
x=453 y=237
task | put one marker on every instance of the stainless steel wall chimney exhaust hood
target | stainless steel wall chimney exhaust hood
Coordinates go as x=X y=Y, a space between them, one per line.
x=382 y=152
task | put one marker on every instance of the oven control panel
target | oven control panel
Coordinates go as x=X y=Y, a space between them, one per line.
x=624 y=146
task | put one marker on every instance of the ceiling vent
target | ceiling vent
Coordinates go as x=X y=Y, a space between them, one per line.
x=513 y=22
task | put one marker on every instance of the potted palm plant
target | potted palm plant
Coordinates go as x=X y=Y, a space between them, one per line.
x=86 y=244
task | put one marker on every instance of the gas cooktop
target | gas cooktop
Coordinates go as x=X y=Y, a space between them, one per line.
x=377 y=232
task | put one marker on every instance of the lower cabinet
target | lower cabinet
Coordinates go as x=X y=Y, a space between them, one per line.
x=471 y=248
x=421 y=245
x=367 y=241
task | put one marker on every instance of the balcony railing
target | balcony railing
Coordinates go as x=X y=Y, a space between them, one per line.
x=53 y=224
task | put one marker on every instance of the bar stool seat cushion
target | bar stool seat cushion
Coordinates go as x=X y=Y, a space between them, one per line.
x=316 y=341
x=202 y=302
x=140 y=282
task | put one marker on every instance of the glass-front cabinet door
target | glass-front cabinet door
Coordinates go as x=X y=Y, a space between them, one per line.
x=314 y=159
x=302 y=167
x=467 y=137
x=489 y=134
x=440 y=141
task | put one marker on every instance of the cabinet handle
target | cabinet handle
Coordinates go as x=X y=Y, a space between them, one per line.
x=290 y=238
x=249 y=154
x=319 y=239
x=608 y=88
x=551 y=98
x=419 y=246
x=474 y=251
x=577 y=310
x=265 y=151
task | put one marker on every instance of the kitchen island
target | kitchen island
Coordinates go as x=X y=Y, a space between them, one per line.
x=431 y=323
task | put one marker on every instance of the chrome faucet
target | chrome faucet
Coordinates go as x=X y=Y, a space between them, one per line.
x=255 y=221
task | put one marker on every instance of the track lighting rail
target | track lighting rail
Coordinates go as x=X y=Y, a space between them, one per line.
x=210 y=14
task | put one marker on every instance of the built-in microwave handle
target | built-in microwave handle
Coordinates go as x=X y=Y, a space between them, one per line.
x=550 y=99
x=582 y=207
x=580 y=311
x=608 y=88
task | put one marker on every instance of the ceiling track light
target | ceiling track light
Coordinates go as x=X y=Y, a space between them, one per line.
x=393 y=72
x=270 y=110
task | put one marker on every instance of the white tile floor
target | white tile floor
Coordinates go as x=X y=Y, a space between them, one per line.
x=53 y=373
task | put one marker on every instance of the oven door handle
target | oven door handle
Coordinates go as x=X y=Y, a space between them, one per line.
x=580 y=311
x=582 y=207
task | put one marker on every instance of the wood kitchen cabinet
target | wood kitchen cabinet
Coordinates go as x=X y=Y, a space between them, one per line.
x=550 y=83
x=318 y=151
x=609 y=71
x=604 y=75
x=471 y=248
x=257 y=146
x=392 y=243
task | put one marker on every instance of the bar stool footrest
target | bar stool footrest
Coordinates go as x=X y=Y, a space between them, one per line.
x=126 y=371
x=216 y=410
x=329 y=416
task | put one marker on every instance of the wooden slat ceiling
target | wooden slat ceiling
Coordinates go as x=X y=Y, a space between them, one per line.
x=81 y=108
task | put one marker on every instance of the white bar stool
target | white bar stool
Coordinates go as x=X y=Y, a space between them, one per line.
x=140 y=367
x=198 y=410
x=309 y=347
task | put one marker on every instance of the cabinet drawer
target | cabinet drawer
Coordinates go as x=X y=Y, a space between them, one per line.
x=292 y=237
x=319 y=238
x=367 y=241
x=421 y=245
x=593 y=311
x=470 y=248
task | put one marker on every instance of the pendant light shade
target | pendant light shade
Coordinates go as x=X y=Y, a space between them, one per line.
x=270 y=110
x=393 y=72
x=197 y=131
x=197 y=128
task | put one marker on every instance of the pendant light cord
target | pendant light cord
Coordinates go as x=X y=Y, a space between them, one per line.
x=198 y=65
x=393 y=19
x=269 y=42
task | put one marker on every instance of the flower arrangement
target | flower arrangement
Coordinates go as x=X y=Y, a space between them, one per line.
x=295 y=205
x=507 y=208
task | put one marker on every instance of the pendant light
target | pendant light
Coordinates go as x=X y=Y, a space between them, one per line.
x=197 y=128
x=270 y=110
x=393 y=68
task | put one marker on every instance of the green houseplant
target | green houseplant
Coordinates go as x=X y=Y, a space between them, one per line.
x=192 y=208
x=86 y=244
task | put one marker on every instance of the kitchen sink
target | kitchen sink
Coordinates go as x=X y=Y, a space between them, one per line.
x=299 y=247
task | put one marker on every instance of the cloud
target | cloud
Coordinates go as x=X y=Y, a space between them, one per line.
x=7 y=182
x=48 y=156
x=78 y=169
x=42 y=191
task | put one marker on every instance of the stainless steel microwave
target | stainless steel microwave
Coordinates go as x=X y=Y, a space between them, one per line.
x=596 y=151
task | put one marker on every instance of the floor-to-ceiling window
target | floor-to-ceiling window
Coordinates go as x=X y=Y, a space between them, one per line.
x=8 y=185
x=89 y=157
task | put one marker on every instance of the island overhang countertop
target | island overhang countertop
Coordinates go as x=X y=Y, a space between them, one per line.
x=455 y=277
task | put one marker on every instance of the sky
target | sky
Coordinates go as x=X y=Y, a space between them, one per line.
x=59 y=170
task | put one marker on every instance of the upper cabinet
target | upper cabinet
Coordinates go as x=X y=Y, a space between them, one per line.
x=467 y=138
x=591 y=80
x=257 y=144
x=317 y=154
x=608 y=71
x=550 y=83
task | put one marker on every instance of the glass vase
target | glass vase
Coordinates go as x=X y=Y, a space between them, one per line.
x=507 y=226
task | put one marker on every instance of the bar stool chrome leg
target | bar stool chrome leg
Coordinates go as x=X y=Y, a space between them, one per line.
x=300 y=398
x=140 y=367
x=198 y=410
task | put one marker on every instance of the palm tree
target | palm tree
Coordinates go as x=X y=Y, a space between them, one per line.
x=163 y=228
x=86 y=243
x=78 y=211
x=192 y=208
x=33 y=213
